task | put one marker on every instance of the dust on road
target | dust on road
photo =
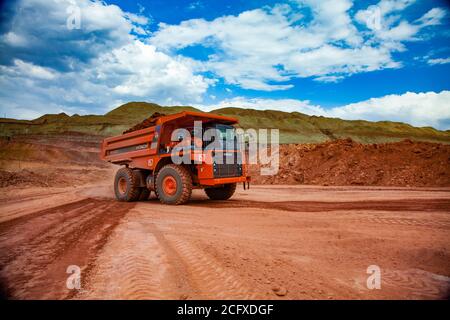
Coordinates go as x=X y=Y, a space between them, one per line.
x=298 y=243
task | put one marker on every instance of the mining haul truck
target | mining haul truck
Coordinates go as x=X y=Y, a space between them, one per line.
x=146 y=157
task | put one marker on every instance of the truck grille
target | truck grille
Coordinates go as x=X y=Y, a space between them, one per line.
x=227 y=170
x=224 y=170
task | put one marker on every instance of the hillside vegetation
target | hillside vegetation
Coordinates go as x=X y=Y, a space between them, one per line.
x=294 y=127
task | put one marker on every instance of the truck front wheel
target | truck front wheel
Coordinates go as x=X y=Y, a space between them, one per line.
x=126 y=185
x=173 y=184
x=221 y=193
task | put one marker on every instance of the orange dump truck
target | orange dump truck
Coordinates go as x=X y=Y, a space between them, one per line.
x=148 y=163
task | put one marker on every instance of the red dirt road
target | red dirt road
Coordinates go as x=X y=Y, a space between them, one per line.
x=274 y=242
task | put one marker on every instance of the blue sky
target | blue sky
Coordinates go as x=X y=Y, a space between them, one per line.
x=374 y=60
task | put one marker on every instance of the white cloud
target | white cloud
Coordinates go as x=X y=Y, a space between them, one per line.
x=195 y=5
x=89 y=69
x=148 y=73
x=382 y=11
x=418 y=109
x=438 y=61
x=432 y=17
x=13 y=39
x=343 y=61
x=332 y=21
x=28 y=70
x=329 y=78
x=262 y=48
x=387 y=25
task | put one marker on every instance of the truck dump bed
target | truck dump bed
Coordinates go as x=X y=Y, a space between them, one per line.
x=130 y=146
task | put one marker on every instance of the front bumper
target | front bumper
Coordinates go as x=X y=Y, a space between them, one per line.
x=218 y=181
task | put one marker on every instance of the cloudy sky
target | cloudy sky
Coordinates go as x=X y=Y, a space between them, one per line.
x=374 y=60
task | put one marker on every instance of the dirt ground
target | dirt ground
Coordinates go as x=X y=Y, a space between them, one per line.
x=269 y=242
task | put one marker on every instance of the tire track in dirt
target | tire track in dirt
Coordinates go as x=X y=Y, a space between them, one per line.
x=209 y=278
x=138 y=263
x=138 y=278
x=131 y=266
x=317 y=206
x=37 y=248
x=418 y=284
x=19 y=209
x=20 y=198
x=407 y=222
x=142 y=262
x=177 y=267
x=27 y=238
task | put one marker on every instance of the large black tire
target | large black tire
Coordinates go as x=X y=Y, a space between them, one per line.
x=181 y=182
x=126 y=185
x=221 y=193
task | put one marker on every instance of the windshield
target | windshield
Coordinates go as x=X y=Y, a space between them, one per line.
x=225 y=132
x=227 y=136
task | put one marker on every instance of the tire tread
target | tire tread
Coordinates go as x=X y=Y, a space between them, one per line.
x=186 y=183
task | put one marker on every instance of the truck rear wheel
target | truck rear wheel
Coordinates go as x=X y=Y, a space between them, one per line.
x=173 y=184
x=221 y=193
x=126 y=185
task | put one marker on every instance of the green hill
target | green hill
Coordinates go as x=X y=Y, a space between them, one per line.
x=294 y=127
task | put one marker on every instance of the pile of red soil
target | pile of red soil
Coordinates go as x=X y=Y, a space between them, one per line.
x=54 y=149
x=147 y=123
x=25 y=178
x=49 y=177
x=345 y=162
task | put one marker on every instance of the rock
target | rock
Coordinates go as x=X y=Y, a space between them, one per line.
x=280 y=291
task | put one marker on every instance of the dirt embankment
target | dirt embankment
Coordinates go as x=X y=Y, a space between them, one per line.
x=51 y=160
x=345 y=162
x=57 y=177
x=73 y=159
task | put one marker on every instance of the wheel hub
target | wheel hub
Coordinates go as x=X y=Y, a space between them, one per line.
x=122 y=185
x=169 y=185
